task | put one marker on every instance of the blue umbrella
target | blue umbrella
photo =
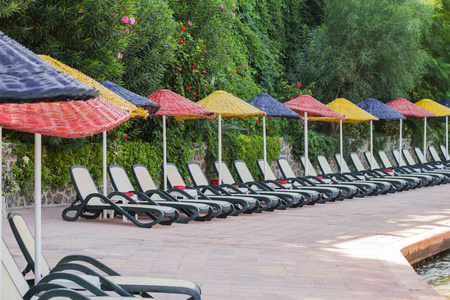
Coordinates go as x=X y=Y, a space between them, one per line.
x=381 y=111
x=274 y=109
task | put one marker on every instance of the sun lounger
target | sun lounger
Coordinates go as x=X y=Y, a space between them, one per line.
x=444 y=152
x=347 y=192
x=15 y=287
x=435 y=155
x=142 y=285
x=200 y=182
x=90 y=204
x=304 y=197
x=397 y=184
x=426 y=168
x=376 y=171
x=286 y=199
x=375 y=187
x=121 y=182
x=431 y=165
x=327 y=194
x=241 y=204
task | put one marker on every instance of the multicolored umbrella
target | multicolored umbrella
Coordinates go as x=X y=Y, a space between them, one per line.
x=308 y=105
x=228 y=106
x=177 y=106
x=274 y=109
x=446 y=103
x=435 y=108
x=352 y=113
x=381 y=111
x=408 y=109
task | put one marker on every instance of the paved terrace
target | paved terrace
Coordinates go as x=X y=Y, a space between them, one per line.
x=343 y=250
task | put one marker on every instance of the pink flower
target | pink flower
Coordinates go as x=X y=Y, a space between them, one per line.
x=132 y=21
x=75 y=23
x=119 y=56
x=190 y=23
x=124 y=20
x=299 y=85
x=292 y=98
x=233 y=15
x=234 y=5
x=223 y=8
x=127 y=31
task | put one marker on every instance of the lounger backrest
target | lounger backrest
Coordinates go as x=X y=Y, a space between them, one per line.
x=434 y=153
x=419 y=155
x=408 y=157
x=227 y=178
x=397 y=158
x=119 y=178
x=84 y=184
x=243 y=171
x=357 y=163
x=444 y=152
x=26 y=241
x=14 y=285
x=304 y=161
x=285 y=168
x=269 y=173
x=384 y=159
x=373 y=164
x=344 y=167
x=196 y=173
x=173 y=176
x=324 y=165
x=143 y=179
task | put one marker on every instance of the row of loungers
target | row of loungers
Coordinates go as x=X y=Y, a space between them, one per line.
x=147 y=205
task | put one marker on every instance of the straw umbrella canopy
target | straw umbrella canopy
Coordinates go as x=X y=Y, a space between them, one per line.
x=225 y=105
x=439 y=110
x=26 y=78
x=381 y=111
x=274 y=109
x=408 y=109
x=308 y=105
x=352 y=113
x=174 y=105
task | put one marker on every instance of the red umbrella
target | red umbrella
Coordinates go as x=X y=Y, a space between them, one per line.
x=175 y=105
x=408 y=109
x=305 y=104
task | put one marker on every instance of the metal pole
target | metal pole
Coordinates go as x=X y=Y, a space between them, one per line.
x=342 y=147
x=37 y=202
x=446 y=137
x=424 y=140
x=105 y=188
x=305 y=120
x=220 y=148
x=164 y=153
x=371 y=144
x=400 y=143
x=1 y=201
x=265 y=147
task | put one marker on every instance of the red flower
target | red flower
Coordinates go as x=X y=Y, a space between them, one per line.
x=181 y=41
x=188 y=87
x=126 y=137
x=206 y=52
x=182 y=28
x=257 y=121
x=195 y=94
x=205 y=72
x=179 y=69
x=193 y=67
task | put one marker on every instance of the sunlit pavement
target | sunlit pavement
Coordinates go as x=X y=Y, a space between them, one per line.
x=341 y=250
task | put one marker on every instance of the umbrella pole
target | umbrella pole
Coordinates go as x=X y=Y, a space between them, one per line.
x=371 y=144
x=1 y=200
x=37 y=209
x=424 y=140
x=105 y=190
x=342 y=148
x=305 y=121
x=400 y=143
x=265 y=148
x=164 y=153
x=446 y=137
x=220 y=148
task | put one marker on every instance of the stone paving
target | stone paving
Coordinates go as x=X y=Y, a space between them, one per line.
x=341 y=250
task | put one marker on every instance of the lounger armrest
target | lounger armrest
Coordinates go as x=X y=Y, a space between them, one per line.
x=41 y=287
x=299 y=180
x=145 y=197
x=314 y=179
x=123 y=195
x=109 y=285
x=182 y=192
x=221 y=189
x=240 y=185
x=89 y=260
x=259 y=185
x=161 y=193
x=61 y=292
x=275 y=183
x=204 y=188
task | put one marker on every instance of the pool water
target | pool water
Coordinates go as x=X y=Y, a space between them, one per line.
x=436 y=273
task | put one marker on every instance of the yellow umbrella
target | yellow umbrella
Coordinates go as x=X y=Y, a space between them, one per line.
x=104 y=92
x=352 y=113
x=228 y=106
x=439 y=110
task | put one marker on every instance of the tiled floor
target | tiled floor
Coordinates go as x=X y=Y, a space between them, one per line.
x=341 y=250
